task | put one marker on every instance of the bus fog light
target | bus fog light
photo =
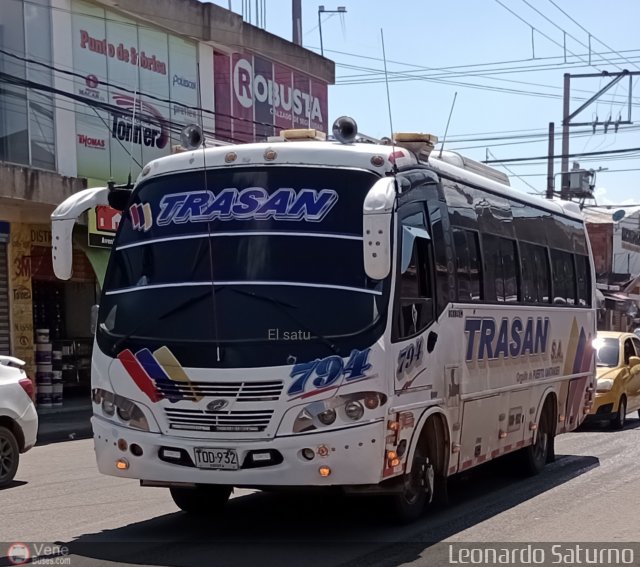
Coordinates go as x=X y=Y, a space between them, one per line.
x=308 y=454
x=122 y=444
x=354 y=410
x=136 y=450
x=327 y=417
x=324 y=471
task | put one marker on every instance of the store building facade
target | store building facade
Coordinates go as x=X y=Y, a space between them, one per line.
x=90 y=91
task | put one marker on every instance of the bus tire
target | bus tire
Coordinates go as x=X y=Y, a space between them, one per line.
x=203 y=499
x=409 y=503
x=534 y=457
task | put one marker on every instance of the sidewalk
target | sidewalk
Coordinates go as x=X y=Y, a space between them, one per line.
x=71 y=421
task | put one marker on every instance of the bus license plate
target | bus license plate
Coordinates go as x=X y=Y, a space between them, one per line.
x=216 y=458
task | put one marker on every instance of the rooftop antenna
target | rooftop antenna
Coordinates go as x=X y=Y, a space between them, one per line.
x=444 y=139
x=133 y=131
x=386 y=80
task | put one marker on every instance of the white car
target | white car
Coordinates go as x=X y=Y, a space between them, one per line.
x=18 y=417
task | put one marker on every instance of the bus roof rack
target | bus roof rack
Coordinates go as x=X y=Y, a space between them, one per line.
x=454 y=158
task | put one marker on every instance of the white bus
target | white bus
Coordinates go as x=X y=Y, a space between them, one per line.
x=304 y=313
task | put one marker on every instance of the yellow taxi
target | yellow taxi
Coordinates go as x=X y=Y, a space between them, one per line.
x=618 y=373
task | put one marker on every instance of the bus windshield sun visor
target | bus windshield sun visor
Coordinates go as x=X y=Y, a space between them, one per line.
x=409 y=234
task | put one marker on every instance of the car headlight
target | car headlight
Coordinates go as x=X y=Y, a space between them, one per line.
x=127 y=410
x=349 y=407
x=604 y=385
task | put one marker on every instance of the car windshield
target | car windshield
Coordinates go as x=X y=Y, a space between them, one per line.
x=245 y=256
x=607 y=352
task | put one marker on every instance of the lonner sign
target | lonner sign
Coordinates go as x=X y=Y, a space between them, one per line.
x=285 y=99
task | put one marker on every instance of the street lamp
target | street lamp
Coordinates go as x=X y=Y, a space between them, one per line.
x=321 y=10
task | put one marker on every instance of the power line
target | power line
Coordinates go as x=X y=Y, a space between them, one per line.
x=559 y=156
x=593 y=36
x=567 y=33
x=602 y=171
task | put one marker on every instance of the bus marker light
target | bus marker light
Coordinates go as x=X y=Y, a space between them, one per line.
x=122 y=464
x=270 y=155
x=391 y=455
x=323 y=451
x=324 y=471
x=122 y=444
x=395 y=462
x=455 y=448
x=371 y=402
x=231 y=157
x=533 y=426
x=561 y=418
x=393 y=425
x=502 y=434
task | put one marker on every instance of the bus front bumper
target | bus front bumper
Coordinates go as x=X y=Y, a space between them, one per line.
x=354 y=455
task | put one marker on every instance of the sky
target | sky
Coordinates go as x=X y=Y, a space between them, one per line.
x=505 y=59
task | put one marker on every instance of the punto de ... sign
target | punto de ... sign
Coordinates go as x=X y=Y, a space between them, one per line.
x=138 y=88
x=256 y=97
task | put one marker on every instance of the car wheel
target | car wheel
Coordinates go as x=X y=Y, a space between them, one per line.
x=9 y=456
x=618 y=421
x=204 y=499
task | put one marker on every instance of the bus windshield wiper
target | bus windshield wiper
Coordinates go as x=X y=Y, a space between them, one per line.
x=182 y=305
x=286 y=309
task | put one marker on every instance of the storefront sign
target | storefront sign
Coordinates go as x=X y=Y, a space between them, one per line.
x=103 y=223
x=21 y=292
x=258 y=97
x=147 y=78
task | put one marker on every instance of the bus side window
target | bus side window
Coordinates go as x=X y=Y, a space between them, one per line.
x=500 y=268
x=583 y=274
x=467 y=262
x=564 y=279
x=415 y=298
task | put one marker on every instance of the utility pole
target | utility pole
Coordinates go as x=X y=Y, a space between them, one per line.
x=321 y=10
x=296 y=13
x=564 y=163
x=550 y=178
x=568 y=116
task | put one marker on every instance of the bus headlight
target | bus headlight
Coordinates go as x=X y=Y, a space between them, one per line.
x=354 y=410
x=348 y=407
x=127 y=410
x=327 y=417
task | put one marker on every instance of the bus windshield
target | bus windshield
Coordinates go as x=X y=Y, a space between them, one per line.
x=241 y=257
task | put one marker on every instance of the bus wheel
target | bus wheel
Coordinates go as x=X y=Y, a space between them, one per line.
x=535 y=456
x=201 y=499
x=408 y=504
x=618 y=421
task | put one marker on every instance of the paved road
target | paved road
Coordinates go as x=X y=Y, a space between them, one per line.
x=591 y=493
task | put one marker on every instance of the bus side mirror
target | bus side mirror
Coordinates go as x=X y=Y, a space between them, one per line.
x=119 y=198
x=376 y=228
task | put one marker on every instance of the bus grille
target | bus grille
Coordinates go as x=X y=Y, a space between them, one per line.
x=242 y=421
x=238 y=391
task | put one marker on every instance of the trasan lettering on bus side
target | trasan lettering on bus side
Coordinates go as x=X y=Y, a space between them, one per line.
x=246 y=204
x=509 y=338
